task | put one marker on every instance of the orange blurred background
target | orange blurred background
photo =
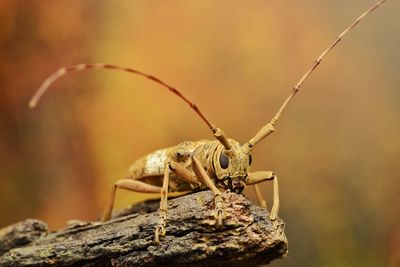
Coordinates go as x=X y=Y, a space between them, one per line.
x=336 y=149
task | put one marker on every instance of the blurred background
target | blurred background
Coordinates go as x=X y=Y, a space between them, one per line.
x=336 y=149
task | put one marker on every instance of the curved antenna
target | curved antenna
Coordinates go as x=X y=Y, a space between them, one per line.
x=270 y=127
x=65 y=70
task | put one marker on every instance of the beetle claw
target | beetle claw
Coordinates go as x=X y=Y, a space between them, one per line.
x=220 y=216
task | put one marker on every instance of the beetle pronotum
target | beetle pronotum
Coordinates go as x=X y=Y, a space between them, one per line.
x=221 y=164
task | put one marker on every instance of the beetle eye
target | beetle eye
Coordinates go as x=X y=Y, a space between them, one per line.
x=250 y=160
x=223 y=161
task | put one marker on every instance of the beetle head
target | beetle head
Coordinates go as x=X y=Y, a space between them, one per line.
x=231 y=166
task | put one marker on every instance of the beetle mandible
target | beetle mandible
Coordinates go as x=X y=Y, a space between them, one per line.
x=221 y=164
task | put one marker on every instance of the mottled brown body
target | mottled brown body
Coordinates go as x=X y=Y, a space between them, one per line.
x=150 y=168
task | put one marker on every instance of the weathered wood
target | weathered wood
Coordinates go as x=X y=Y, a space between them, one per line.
x=21 y=234
x=247 y=238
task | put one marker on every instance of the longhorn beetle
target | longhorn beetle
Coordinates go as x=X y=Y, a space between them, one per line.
x=221 y=164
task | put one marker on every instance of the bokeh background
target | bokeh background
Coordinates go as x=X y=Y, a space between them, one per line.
x=336 y=149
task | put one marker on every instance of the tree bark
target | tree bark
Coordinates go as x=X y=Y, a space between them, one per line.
x=247 y=238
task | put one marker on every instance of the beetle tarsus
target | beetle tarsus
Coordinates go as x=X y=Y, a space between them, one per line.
x=272 y=216
x=160 y=231
x=219 y=213
x=220 y=217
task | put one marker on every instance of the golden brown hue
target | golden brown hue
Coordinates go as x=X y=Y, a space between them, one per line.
x=336 y=152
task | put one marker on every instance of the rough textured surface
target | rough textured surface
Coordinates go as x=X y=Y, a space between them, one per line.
x=247 y=238
x=20 y=234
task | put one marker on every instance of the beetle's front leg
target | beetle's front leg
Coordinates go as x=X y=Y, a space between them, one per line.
x=201 y=173
x=261 y=176
x=184 y=174
x=162 y=211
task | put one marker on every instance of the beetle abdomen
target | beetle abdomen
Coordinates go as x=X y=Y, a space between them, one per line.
x=150 y=165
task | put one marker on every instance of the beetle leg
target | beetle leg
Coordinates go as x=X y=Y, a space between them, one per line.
x=201 y=173
x=260 y=198
x=138 y=186
x=184 y=174
x=261 y=176
x=162 y=222
x=131 y=185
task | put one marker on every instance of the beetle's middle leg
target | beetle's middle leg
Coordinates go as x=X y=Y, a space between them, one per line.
x=128 y=184
x=141 y=187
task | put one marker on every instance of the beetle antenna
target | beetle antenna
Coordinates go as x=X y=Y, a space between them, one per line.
x=270 y=127
x=75 y=68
